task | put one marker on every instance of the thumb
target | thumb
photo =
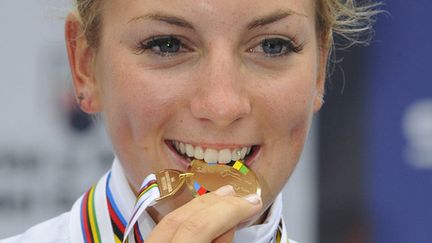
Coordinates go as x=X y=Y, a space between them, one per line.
x=227 y=237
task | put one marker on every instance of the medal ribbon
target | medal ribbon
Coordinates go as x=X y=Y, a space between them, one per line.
x=147 y=195
x=281 y=234
x=118 y=222
x=123 y=231
x=89 y=223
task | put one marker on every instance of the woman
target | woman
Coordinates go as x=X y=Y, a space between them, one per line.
x=216 y=81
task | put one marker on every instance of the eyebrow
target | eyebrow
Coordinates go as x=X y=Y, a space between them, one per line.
x=271 y=18
x=172 y=20
x=259 y=22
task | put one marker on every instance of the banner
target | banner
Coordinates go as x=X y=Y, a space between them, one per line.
x=399 y=129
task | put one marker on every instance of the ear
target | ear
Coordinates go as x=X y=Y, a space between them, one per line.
x=81 y=59
x=324 y=50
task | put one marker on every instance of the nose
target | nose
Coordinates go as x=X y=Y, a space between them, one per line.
x=221 y=97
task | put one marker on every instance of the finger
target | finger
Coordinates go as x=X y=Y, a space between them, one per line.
x=209 y=223
x=166 y=228
x=227 y=237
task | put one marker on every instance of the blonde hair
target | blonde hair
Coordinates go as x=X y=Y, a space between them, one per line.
x=89 y=12
x=350 y=20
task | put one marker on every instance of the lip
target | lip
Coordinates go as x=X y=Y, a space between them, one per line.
x=184 y=163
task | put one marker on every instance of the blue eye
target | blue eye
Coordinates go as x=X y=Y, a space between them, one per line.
x=274 y=47
x=163 y=45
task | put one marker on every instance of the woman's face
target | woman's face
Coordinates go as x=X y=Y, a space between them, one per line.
x=218 y=77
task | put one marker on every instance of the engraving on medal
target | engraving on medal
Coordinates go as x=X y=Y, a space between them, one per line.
x=169 y=182
x=163 y=184
x=208 y=177
x=202 y=178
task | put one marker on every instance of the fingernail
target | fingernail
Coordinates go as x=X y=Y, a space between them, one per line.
x=225 y=191
x=253 y=198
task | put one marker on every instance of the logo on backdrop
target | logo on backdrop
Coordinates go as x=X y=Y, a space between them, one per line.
x=417 y=129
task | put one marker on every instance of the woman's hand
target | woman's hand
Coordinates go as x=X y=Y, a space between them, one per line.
x=212 y=217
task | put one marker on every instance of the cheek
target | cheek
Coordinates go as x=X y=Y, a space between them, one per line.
x=136 y=103
x=137 y=107
x=286 y=113
x=288 y=96
x=287 y=105
x=131 y=100
x=131 y=93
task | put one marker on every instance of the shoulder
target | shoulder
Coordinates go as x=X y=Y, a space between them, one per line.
x=53 y=230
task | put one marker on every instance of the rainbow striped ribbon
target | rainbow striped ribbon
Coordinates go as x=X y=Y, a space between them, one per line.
x=281 y=233
x=146 y=197
x=118 y=222
x=89 y=222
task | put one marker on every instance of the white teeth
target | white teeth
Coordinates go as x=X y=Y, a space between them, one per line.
x=199 y=153
x=189 y=150
x=182 y=148
x=243 y=152
x=210 y=155
x=235 y=155
x=224 y=156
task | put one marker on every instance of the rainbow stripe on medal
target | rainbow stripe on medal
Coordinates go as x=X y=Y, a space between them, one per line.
x=238 y=165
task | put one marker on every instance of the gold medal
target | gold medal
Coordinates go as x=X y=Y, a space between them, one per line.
x=209 y=177
x=203 y=177
x=169 y=182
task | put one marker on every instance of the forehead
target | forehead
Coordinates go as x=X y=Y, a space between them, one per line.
x=226 y=12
